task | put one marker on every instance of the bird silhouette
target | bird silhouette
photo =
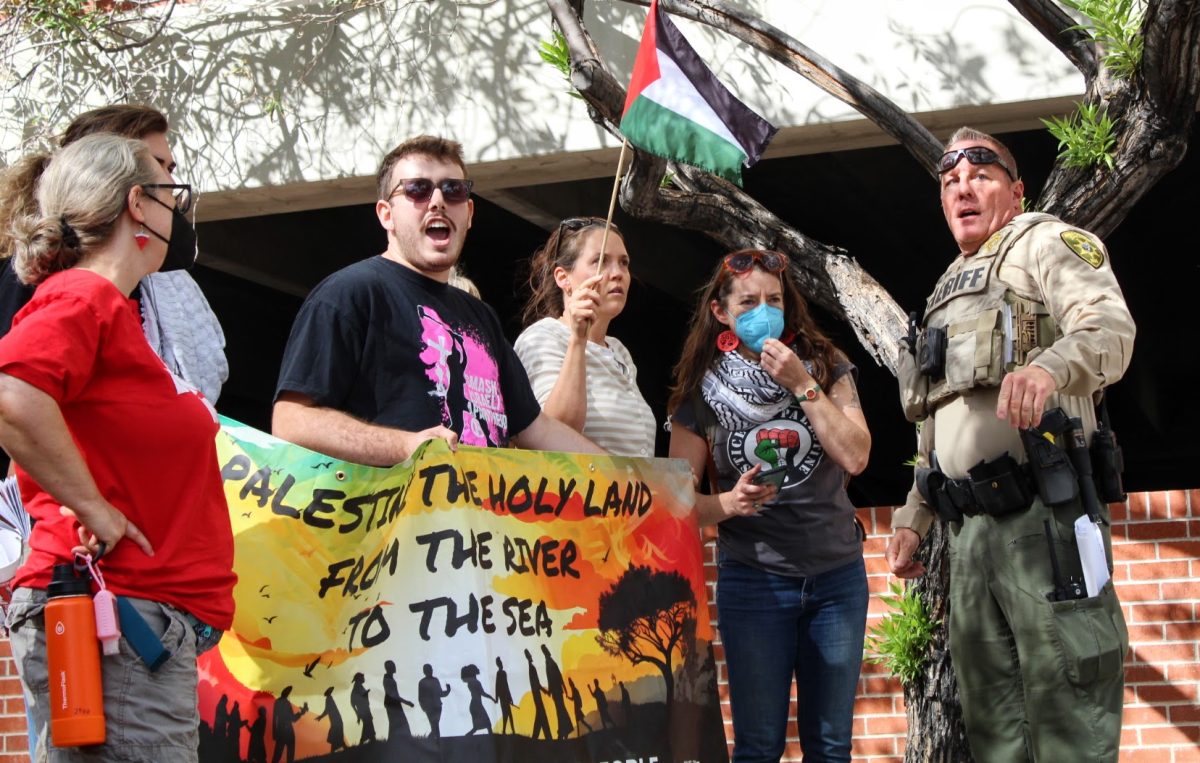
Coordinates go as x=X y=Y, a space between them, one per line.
x=309 y=667
x=271 y=619
x=324 y=465
x=247 y=513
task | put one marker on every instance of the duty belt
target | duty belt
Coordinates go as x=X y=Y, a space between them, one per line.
x=997 y=487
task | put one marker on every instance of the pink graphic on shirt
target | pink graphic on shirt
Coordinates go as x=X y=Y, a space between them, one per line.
x=466 y=381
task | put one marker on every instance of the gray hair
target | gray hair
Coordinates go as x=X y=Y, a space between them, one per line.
x=80 y=196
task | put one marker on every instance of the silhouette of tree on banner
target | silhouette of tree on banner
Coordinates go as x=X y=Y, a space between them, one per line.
x=644 y=617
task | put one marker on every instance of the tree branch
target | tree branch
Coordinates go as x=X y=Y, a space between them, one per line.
x=162 y=24
x=774 y=42
x=1052 y=21
x=1153 y=113
x=702 y=202
x=1171 y=57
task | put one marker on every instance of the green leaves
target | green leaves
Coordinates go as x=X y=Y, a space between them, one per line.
x=901 y=640
x=555 y=52
x=70 y=20
x=1085 y=138
x=1115 y=25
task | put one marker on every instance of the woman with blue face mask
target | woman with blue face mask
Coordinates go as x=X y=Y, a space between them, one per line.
x=766 y=405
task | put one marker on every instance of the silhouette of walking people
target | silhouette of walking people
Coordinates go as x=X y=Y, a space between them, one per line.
x=394 y=704
x=429 y=696
x=256 y=749
x=337 y=731
x=283 y=721
x=626 y=704
x=362 y=708
x=556 y=689
x=479 y=717
x=577 y=702
x=233 y=741
x=505 y=698
x=602 y=706
x=220 y=727
x=541 y=724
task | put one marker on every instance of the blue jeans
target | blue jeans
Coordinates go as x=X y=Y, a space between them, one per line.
x=774 y=627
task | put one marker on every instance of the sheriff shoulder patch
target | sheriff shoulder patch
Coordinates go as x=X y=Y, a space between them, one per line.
x=1084 y=246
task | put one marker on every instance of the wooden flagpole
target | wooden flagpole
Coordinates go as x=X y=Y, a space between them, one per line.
x=612 y=206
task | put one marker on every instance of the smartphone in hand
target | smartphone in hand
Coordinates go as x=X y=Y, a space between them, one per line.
x=771 y=477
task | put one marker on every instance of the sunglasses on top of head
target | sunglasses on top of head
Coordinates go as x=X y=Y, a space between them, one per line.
x=420 y=190
x=975 y=155
x=741 y=263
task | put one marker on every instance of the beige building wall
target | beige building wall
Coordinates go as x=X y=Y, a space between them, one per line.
x=283 y=106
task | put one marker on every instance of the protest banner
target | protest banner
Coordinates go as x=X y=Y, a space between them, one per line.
x=476 y=605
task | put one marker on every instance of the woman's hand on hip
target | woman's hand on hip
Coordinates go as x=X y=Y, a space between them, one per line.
x=104 y=530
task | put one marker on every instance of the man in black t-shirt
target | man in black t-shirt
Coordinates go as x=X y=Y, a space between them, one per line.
x=385 y=354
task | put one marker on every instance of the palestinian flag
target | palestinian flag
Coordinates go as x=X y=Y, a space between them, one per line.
x=678 y=109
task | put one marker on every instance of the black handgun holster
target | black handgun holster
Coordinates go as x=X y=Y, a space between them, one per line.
x=1108 y=461
x=931 y=484
x=1056 y=481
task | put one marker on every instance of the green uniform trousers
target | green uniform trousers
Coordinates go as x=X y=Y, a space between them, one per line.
x=1040 y=680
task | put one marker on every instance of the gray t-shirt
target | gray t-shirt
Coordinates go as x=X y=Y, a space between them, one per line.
x=809 y=528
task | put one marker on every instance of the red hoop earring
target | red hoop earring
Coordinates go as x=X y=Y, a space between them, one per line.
x=727 y=341
x=141 y=238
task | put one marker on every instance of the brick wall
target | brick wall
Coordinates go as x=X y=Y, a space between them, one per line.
x=1156 y=550
x=1156 y=545
x=14 y=744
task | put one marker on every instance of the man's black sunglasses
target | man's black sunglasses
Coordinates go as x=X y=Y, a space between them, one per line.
x=420 y=190
x=181 y=192
x=975 y=155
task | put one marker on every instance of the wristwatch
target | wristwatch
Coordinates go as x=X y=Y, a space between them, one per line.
x=809 y=394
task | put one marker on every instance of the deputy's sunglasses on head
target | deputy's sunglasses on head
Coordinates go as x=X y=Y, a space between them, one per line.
x=420 y=190
x=975 y=155
x=743 y=262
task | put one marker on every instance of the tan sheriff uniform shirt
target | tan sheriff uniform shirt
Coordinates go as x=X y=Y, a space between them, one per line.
x=1068 y=271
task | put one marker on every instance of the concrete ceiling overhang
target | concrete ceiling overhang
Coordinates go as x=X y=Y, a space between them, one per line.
x=501 y=181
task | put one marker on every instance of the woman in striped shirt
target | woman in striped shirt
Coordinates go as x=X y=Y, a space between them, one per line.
x=580 y=375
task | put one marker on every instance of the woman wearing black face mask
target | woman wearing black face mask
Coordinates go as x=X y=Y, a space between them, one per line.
x=178 y=322
x=96 y=423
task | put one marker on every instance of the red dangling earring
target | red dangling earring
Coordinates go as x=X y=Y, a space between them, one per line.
x=727 y=341
x=141 y=238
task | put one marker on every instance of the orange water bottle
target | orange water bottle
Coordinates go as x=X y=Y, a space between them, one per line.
x=73 y=658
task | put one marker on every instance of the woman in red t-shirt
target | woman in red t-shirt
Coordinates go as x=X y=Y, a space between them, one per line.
x=98 y=424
